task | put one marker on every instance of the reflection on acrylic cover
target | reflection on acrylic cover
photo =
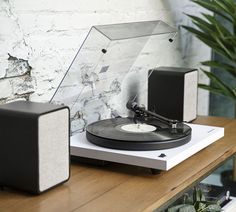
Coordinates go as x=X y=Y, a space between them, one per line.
x=111 y=68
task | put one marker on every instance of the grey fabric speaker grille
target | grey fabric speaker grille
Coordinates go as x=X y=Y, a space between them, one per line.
x=53 y=140
x=190 y=95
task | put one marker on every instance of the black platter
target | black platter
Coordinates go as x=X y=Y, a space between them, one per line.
x=109 y=133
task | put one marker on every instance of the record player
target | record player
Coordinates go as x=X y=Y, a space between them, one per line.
x=106 y=90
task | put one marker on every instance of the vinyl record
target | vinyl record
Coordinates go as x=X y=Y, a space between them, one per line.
x=125 y=134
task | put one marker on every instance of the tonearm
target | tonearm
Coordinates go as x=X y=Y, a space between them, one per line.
x=141 y=111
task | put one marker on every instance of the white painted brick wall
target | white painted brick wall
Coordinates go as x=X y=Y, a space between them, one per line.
x=48 y=33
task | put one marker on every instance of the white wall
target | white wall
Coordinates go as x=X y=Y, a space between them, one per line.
x=43 y=36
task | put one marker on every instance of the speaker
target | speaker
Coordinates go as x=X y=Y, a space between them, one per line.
x=34 y=145
x=172 y=92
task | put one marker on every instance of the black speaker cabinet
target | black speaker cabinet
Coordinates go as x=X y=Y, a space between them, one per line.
x=34 y=145
x=172 y=92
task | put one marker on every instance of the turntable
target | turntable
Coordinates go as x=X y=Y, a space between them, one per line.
x=106 y=90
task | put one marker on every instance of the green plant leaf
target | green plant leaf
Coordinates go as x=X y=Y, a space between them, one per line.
x=204 y=38
x=213 y=33
x=221 y=29
x=197 y=194
x=182 y=208
x=231 y=4
x=201 y=206
x=231 y=39
x=207 y=40
x=187 y=199
x=219 y=86
x=187 y=208
x=219 y=39
x=227 y=36
x=234 y=91
x=230 y=54
x=207 y=29
x=213 y=208
x=224 y=7
x=215 y=46
x=210 y=89
x=202 y=22
x=194 y=194
x=216 y=32
x=174 y=208
x=196 y=32
x=220 y=65
x=211 y=6
x=220 y=46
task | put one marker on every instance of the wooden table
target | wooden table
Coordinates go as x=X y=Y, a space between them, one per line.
x=118 y=187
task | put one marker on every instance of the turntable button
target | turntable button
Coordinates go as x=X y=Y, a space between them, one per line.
x=162 y=155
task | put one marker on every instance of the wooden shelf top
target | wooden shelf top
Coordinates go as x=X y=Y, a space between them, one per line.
x=119 y=187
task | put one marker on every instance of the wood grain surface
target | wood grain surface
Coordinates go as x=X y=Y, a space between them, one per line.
x=119 y=187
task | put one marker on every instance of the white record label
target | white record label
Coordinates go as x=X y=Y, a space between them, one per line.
x=138 y=128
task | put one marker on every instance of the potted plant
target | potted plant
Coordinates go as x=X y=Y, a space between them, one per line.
x=222 y=41
x=196 y=202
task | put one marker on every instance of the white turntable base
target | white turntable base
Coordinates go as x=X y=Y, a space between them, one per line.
x=202 y=136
